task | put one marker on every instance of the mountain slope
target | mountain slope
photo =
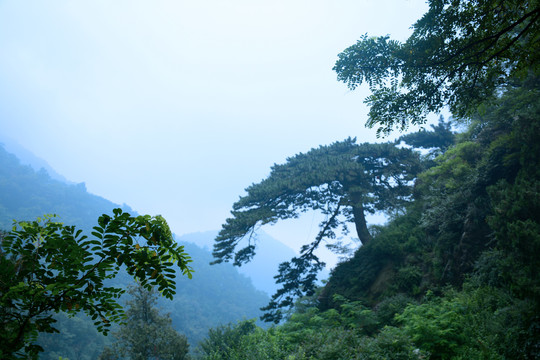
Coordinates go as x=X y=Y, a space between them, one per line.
x=263 y=267
x=215 y=295
x=26 y=194
x=28 y=158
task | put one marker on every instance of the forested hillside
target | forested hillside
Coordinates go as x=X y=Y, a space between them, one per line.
x=215 y=295
x=26 y=157
x=453 y=274
x=27 y=194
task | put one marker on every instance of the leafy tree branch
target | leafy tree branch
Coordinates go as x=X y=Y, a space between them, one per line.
x=49 y=267
x=459 y=55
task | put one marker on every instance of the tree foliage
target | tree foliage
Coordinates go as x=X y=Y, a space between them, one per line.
x=49 y=267
x=225 y=340
x=436 y=141
x=455 y=275
x=459 y=54
x=474 y=225
x=336 y=334
x=26 y=194
x=146 y=334
x=343 y=181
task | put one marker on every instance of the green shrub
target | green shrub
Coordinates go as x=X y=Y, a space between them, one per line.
x=435 y=326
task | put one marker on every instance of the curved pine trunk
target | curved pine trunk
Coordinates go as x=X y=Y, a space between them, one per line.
x=361 y=224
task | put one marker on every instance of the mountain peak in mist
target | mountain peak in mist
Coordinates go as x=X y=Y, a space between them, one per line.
x=26 y=157
x=264 y=266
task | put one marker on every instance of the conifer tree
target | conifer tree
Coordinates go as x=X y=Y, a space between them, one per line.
x=146 y=334
x=344 y=181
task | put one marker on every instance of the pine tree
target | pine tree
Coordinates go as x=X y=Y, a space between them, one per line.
x=343 y=181
x=146 y=334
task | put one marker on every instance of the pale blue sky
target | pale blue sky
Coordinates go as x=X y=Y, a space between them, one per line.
x=174 y=107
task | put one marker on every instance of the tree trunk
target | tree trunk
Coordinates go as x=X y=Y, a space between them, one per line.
x=361 y=224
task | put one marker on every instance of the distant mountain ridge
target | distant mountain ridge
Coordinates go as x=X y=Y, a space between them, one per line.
x=263 y=267
x=26 y=194
x=27 y=157
x=216 y=295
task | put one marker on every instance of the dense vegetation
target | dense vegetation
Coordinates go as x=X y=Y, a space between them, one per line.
x=459 y=55
x=146 y=334
x=215 y=295
x=453 y=274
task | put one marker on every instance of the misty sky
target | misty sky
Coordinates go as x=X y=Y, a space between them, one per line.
x=175 y=107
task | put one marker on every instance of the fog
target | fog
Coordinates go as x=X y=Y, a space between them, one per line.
x=175 y=107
